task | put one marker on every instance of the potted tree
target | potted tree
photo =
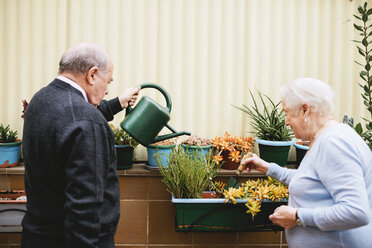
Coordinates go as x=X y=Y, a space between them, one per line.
x=230 y=150
x=125 y=145
x=272 y=135
x=10 y=147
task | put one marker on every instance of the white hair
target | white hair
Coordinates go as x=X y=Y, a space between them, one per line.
x=83 y=56
x=313 y=92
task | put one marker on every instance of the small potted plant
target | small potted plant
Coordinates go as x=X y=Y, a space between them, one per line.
x=125 y=145
x=272 y=134
x=163 y=149
x=10 y=147
x=301 y=148
x=230 y=150
x=185 y=175
x=197 y=145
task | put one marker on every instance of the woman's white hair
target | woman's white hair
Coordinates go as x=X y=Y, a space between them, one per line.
x=313 y=92
x=83 y=56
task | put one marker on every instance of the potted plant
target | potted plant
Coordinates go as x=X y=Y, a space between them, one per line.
x=301 y=148
x=230 y=150
x=163 y=149
x=186 y=175
x=10 y=147
x=363 y=44
x=124 y=145
x=197 y=145
x=272 y=134
x=245 y=208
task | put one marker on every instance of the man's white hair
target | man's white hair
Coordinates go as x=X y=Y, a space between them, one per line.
x=83 y=56
x=313 y=92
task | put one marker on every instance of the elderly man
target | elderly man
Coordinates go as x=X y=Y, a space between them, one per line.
x=70 y=160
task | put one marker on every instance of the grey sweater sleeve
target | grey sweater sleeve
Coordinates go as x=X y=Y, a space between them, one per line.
x=110 y=108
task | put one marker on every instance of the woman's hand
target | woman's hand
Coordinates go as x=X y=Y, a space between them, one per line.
x=256 y=163
x=284 y=216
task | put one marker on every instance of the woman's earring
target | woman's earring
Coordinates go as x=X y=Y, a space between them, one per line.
x=305 y=119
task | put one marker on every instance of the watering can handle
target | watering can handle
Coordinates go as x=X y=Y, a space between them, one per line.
x=161 y=89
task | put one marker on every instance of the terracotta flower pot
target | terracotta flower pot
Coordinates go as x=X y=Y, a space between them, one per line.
x=211 y=194
x=228 y=163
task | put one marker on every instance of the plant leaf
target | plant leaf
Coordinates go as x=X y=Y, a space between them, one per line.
x=360 y=28
x=359 y=128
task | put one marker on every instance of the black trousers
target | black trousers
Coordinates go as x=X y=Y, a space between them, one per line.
x=30 y=240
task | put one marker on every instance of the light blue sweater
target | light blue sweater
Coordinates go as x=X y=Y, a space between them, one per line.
x=332 y=190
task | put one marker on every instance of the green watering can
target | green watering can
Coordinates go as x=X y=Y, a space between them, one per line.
x=147 y=119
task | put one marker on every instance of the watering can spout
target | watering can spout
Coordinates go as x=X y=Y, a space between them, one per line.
x=170 y=135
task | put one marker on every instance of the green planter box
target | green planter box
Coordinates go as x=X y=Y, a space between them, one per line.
x=197 y=215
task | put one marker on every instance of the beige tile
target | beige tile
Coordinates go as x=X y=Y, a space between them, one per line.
x=259 y=238
x=4 y=182
x=133 y=188
x=215 y=238
x=17 y=182
x=284 y=240
x=215 y=246
x=132 y=228
x=258 y=246
x=170 y=246
x=4 y=238
x=15 y=238
x=158 y=190
x=162 y=225
x=126 y=246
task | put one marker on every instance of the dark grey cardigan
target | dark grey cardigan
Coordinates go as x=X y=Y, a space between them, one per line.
x=70 y=169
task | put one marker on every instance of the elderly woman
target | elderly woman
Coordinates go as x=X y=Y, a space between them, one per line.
x=330 y=203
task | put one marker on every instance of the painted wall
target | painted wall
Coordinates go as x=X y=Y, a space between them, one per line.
x=206 y=53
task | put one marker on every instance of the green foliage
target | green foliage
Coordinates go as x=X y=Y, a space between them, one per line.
x=364 y=49
x=123 y=138
x=7 y=135
x=186 y=175
x=269 y=122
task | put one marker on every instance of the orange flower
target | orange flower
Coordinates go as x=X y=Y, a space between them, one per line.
x=233 y=144
x=235 y=156
x=217 y=159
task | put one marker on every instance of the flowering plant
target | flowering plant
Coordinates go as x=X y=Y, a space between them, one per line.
x=197 y=141
x=233 y=145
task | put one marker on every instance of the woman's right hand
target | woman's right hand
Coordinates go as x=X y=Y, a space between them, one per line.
x=255 y=162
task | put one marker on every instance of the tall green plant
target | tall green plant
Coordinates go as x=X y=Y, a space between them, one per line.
x=363 y=26
x=187 y=174
x=269 y=120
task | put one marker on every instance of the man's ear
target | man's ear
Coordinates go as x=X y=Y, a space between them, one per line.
x=92 y=75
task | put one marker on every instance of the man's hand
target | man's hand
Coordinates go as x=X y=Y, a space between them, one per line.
x=129 y=96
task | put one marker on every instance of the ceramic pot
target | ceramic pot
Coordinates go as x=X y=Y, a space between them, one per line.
x=228 y=163
x=124 y=157
x=274 y=151
x=10 y=154
x=163 y=151
x=301 y=149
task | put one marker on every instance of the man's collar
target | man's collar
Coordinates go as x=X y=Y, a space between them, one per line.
x=75 y=85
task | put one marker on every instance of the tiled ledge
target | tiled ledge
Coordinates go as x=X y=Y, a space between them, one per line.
x=139 y=169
